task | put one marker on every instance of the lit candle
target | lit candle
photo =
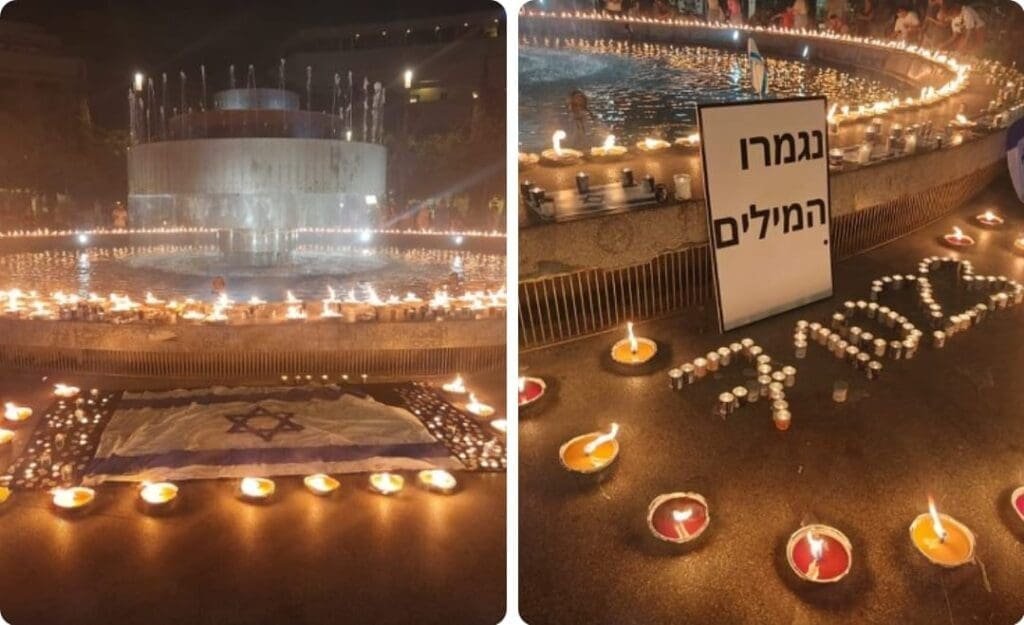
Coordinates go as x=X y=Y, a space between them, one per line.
x=990 y=218
x=941 y=538
x=6 y=436
x=457 y=386
x=386 y=483
x=531 y=390
x=591 y=452
x=819 y=553
x=257 y=488
x=478 y=408
x=651 y=144
x=556 y=154
x=1018 y=244
x=5 y=494
x=608 y=149
x=957 y=238
x=65 y=391
x=1017 y=500
x=691 y=140
x=437 y=480
x=74 y=498
x=158 y=493
x=633 y=350
x=500 y=425
x=321 y=484
x=16 y=413
x=678 y=517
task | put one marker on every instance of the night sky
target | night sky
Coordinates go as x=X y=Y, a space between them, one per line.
x=116 y=36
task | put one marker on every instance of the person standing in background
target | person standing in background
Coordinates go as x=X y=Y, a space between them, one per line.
x=907 y=26
x=801 y=14
x=968 y=29
x=735 y=12
x=715 y=13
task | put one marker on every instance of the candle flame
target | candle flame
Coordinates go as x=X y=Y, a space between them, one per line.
x=556 y=141
x=593 y=445
x=940 y=531
x=634 y=345
x=522 y=384
x=817 y=546
x=609 y=142
x=957 y=233
x=681 y=516
x=257 y=487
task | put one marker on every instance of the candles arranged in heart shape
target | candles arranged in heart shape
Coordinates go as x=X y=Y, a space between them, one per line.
x=678 y=517
x=941 y=538
x=531 y=390
x=819 y=553
x=591 y=452
x=633 y=350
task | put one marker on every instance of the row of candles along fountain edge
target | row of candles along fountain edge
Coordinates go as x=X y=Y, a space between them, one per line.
x=158 y=495
x=816 y=553
x=471 y=305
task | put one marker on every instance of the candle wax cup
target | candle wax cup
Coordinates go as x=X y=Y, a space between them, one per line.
x=834 y=561
x=533 y=388
x=1018 y=502
x=575 y=458
x=663 y=519
x=956 y=549
x=646 y=349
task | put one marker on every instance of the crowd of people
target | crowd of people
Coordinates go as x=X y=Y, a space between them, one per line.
x=940 y=24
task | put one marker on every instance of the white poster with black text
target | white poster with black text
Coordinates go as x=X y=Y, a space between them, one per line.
x=767 y=195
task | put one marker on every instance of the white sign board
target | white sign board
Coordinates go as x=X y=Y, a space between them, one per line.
x=767 y=194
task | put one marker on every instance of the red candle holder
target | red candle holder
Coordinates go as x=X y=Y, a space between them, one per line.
x=990 y=219
x=531 y=390
x=1017 y=499
x=678 y=517
x=819 y=554
x=958 y=239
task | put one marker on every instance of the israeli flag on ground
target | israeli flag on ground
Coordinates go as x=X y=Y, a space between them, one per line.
x=1015 y=156
x=758 y=69
x=235 y=432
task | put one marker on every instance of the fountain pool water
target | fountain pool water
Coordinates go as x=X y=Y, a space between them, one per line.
x=170 y=271
x=637 y=90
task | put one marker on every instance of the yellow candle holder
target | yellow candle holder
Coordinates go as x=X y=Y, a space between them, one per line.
x=589 y=453
x=17 y=414
x=624 y=354
x=951 y=551
x=321 y=484
x=73 y=499
x=437 y=480
x=158 y=494
x=387 y=483
x=6 y=436
x=5 y=494
x=257 y=488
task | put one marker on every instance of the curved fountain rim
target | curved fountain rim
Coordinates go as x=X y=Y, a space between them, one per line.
x=930 y=96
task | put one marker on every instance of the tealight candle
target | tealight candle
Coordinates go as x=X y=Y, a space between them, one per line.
x=678 y=517
x=633 y=350
x=531 y=390
x=819 y=553
x=1017 y=501
x=457 y=386
x=990 y=218
x=74 y=498
x=691 y=140
x=608 y=149
x=65 y=391
x=500 y=425
x=437 y=480
x=957 y=238
x=257 y=488
x=16 y=413
x=321 y=484
x=386 y=483
x=158 y=493
x=591 y=452
x=1018 y=243
x=556 y=154
x=652 y=145
x=478 y=408
x=941 y=538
